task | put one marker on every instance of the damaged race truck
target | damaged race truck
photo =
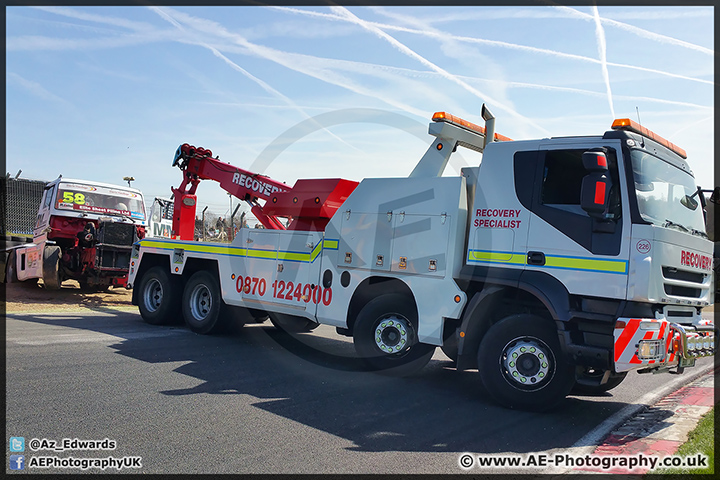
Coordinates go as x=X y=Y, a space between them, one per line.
x=84 y=231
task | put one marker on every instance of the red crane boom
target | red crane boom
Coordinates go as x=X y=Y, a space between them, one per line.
x=310 y=203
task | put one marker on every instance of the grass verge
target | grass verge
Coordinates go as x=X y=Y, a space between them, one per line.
x=700 y=440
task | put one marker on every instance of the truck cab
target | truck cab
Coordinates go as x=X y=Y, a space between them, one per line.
x=84 y=231
x=598 y=236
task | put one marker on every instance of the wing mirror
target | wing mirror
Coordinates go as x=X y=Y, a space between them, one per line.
x=595 y=189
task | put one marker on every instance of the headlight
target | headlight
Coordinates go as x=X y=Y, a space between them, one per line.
x=649 y=349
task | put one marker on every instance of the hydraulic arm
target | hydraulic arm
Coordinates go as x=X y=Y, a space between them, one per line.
x=309 y=203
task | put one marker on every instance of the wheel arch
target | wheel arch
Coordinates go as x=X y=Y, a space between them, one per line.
x=193 y=265
x=149 y=260
x=534 y=292
x=370 y=288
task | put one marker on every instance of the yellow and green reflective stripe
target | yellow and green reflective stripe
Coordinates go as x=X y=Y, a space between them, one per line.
x=551 y=261
x=244 y=252
x=266 y=254
x=316 y=251
x=331 y=244
x=586 y=264
x=496 y=257
x=196 y=247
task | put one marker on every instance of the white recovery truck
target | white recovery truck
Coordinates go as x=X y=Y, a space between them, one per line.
x=555 y=264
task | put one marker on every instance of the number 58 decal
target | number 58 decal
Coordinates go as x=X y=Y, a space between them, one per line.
x=70 y=197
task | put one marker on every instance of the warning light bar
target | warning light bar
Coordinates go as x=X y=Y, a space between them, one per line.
x=631 y=126
x=452 y=119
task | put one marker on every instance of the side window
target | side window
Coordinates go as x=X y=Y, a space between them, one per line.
x=167 y=211
x=562 y=177
x=549 y=183
x=49 y=196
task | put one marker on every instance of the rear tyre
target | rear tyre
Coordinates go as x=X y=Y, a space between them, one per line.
x=234 y=318
x=385 y=336
x=588 y=382
x=51 y=267
x=522 y=365
x=202 y=303
x=159 y=295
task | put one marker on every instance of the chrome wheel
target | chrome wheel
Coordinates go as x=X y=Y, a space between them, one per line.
x=392 y=334
x=527 y=362
x=385 y=336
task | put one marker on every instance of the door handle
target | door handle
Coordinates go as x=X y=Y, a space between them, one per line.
x=536 y=258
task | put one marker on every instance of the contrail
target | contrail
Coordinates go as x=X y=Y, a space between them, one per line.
x=514 y=13
x=409 y=52
x=287 y=60
x=118 y=22
x=36 y=89
x=602 y=50
x=247 y=74
x=496 y=43
x=638 y=31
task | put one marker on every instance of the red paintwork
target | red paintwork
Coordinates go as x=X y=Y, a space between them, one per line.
x=310 y=203
x=67 y=227
x=184 y=215
x=64 y=230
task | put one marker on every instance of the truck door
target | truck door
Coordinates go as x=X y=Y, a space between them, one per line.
x=30 y=258
x=43 y=217
x=586 y=254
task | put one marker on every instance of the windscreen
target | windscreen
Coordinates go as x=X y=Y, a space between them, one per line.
x=665 y=193
x=100 y=200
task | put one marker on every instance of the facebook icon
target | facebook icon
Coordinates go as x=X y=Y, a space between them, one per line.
x=17 y=462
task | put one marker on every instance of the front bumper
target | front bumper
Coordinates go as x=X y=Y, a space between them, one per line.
x=658 y=345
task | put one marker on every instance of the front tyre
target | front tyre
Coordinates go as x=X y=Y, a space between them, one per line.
x=385 y=336
x=202 y=303
x=521 y=363
x=51 y=267
x=11 y=271
x=159 y=296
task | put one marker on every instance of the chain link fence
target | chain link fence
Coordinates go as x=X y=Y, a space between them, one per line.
x=19 y=203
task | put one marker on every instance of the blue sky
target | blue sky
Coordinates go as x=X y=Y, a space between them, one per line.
x=107 y=92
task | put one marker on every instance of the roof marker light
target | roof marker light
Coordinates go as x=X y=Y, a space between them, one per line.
x=631 y=126
x=452 y=119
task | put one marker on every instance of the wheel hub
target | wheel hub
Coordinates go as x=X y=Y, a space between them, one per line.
x=153 y=295
x=200 y=302
x=392 y=335
x=526 y=361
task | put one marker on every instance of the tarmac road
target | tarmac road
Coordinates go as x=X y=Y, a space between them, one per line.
x=259 y=401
